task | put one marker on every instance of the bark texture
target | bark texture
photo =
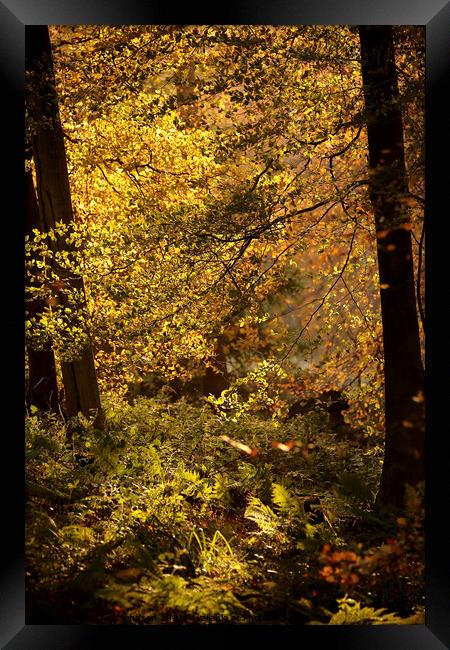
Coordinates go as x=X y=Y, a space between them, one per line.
x=42 y=388
x=388 y=187
x=53 y=190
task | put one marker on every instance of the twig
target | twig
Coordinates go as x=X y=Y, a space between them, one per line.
x=322 y=302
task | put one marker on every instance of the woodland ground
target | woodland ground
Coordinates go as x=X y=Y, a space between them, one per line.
x=179 y=515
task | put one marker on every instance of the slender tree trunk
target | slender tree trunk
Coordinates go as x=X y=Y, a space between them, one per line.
x=404 y=374
x=79 y=376
x=216 y=376
x=42 y=390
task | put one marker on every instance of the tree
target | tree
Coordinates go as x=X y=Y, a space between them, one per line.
x=388 y=189
x=54 y=200
x=42 y=390
x=201 y=189
x=201 y=210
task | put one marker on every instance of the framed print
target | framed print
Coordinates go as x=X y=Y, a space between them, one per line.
x=230 y=217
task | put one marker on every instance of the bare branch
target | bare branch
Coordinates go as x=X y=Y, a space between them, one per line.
x=322 y=302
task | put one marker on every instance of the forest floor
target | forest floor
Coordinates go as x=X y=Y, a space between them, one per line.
x=176 y=515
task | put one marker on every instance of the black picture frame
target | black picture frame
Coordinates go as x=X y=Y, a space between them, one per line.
x=14 y=16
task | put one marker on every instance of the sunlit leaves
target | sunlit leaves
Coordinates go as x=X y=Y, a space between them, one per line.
x=195 y=155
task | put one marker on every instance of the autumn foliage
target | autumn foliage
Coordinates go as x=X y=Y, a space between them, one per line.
x=220 y=268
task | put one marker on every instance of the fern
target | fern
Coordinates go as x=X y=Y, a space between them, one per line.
x=155 y=524
x=285 y=501
x=262 y=515
x=220 y=487
x=191 y=476
x=201 y=600
x=77 y=535
x=205 y=599
x=351 y=613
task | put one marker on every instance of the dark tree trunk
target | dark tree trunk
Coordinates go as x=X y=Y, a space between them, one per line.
x=42 y=389
x=404 y=374
x=216 y=376
x=79 y=376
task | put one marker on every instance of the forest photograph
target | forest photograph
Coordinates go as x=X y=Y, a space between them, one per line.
x=224 y=325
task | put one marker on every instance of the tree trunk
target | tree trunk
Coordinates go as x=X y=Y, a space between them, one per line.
x=79 y=376
x=403 y=370
x=216 y=376
x=42 y=389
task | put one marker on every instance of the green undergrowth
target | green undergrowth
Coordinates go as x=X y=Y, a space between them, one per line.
x=176 y=515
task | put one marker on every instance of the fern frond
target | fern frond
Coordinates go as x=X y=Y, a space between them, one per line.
x=262 y=515
x=285 y=501
x=351 y=613
x=192 y=476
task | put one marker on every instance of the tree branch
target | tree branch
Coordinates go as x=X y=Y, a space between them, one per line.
x=322 y=302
